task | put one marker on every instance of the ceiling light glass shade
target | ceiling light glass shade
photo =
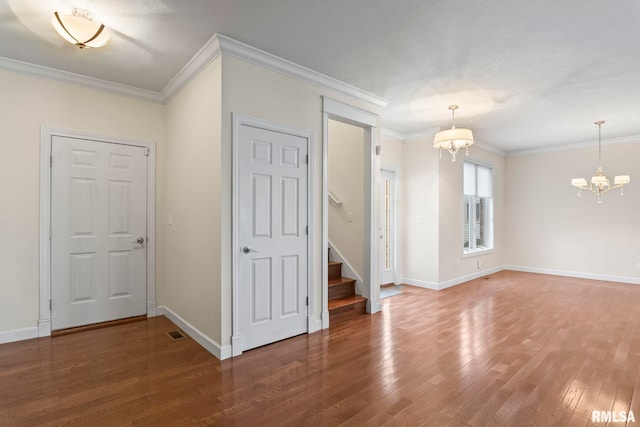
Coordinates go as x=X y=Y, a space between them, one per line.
x=80 y=29
x=621 y=180
x=453 y=139
x=458 y=137
x=599 y=180
x=579 y=182
x=600 y=184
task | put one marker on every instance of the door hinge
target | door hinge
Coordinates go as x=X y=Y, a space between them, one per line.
x=307 y=301
x=306 y=230
x=50 y=233
x=51 y=161
x=50 y=305
x=306 y=159
x=147 y=150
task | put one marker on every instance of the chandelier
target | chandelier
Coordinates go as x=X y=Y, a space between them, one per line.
x=453 y=139
x=599 y=182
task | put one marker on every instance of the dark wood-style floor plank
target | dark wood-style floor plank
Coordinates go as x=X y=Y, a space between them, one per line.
x=511 y=349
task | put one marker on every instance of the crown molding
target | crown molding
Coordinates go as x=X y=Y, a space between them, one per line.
x=215 y=46
x=490 y=148
x=391 y=134
x=78 y=79
x=207 y=54
x=423 y=133
x=574 y=146
x=256 y=56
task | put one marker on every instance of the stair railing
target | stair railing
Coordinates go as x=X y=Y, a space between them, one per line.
x=334 y=200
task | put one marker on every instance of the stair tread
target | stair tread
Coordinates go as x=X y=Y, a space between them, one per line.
x=340 y=281
x=341 y=302
x=334 y=263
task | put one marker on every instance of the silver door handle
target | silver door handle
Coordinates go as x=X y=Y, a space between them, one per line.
x=247 y=249
x=139 y=241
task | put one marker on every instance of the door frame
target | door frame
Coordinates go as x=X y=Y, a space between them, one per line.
x=339 y=111
x=46 y=137
x=394 y=231
x=237 y=343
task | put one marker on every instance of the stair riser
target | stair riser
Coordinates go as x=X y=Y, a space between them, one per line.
x=342 y=290
x=335 y=271
x=348 y=312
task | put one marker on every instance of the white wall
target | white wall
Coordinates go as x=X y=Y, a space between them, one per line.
x=392 y=159
x=421 y=212
x=549 y=229
x=452 y=265
x=433 y=215
x=345 y=172
x=259 y=92
x=192 y=253
x=28 y=103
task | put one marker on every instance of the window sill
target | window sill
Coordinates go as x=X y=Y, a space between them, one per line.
x=477 y=252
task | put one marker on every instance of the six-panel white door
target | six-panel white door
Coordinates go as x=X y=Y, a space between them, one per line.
x=98 y=222
x=272 y=240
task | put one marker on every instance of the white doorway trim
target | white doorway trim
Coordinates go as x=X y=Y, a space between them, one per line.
x=243 y=120
x=336 y=110
x=46 y=135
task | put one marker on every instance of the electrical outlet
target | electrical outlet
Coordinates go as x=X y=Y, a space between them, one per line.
x=349 y=216
x=478 y=264
x=170 y=219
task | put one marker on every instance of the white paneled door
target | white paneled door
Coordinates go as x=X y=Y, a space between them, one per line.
x=272 y=239
x=98 y=231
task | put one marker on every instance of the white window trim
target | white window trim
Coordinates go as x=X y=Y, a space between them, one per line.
x=470 y=253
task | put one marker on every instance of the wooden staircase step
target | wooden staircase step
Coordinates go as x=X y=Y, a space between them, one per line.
x=341 y=287
x=341 y=280
x=346 y=307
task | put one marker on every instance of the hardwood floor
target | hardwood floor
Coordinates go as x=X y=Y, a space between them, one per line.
x=513 y=349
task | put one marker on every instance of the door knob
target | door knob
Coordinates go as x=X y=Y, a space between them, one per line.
x=247 y=249
x=140 y=240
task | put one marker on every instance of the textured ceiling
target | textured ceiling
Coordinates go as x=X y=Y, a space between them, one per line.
x=526 y=74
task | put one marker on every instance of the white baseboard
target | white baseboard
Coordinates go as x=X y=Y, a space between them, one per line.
x=313 y=324
x=18 y=335
x=152 y=309
x=472 y=276
x=420 y=283
x=44 y=327
x=373 y=306
x=221 y=352
x=325 y=319
x=577 y=274
x=453 y=282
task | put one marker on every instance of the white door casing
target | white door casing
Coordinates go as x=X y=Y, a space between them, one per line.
x=98 y=239
x=336 y=110
x=387 y=227
x=271 y=280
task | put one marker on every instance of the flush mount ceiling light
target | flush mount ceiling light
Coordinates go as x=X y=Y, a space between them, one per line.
x=599 y=182
x=80 y=29
x=453 y=139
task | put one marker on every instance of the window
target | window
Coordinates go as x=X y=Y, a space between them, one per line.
x=478 y=208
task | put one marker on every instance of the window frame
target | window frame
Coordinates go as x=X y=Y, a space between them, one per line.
x=472 y=212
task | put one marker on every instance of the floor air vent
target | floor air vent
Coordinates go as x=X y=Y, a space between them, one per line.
x=175 y=335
